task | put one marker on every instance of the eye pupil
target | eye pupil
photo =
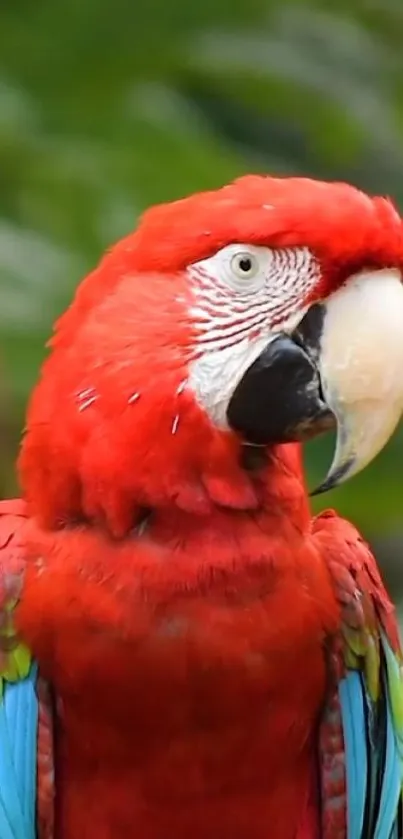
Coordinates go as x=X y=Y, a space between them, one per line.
x=245 y=264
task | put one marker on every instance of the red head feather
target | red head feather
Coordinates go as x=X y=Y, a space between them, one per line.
x=112 y=426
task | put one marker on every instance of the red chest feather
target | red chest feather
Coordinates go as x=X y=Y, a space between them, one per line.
x=190 y=676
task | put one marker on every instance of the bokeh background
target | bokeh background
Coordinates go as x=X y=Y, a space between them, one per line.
x=106 y=107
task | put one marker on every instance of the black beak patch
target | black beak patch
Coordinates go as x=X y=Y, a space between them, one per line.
x=279 y=399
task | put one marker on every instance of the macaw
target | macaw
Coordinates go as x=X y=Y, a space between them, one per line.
x=184 y=649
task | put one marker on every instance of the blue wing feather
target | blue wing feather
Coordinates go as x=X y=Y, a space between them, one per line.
x=18 y=761
x=352 y=705
x=392 y=769
x=373 y=762
x=8 y=782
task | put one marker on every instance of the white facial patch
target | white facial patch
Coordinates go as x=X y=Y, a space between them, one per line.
x=244 y=295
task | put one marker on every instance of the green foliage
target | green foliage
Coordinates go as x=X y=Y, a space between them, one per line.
x=107 y=107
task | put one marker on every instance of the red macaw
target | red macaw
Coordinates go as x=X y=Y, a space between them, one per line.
x=196 y=654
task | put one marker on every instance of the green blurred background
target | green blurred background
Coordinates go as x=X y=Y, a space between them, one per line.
x=106 y=107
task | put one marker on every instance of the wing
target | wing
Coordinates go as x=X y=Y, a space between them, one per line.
x=361 y=736
x=26 y=753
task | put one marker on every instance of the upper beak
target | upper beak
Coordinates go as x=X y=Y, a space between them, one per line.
x=342 y=366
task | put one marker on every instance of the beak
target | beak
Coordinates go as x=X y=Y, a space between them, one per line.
x=342 y=368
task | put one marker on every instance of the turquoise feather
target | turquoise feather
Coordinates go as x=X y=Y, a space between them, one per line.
x=352 y=706
x=18 y=758
x=373 y=754
x=391 y=784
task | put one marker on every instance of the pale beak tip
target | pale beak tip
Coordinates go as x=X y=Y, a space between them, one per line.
x=334 y=478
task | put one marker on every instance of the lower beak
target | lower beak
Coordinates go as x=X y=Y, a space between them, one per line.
x=342 y=368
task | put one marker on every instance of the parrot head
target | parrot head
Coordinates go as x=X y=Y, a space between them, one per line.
x=256 y=315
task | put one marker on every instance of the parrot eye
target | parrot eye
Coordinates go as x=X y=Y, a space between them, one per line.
x=244 y=266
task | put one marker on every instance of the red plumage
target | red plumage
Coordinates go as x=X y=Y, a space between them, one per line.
x=173 y=663
x=186 y=647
